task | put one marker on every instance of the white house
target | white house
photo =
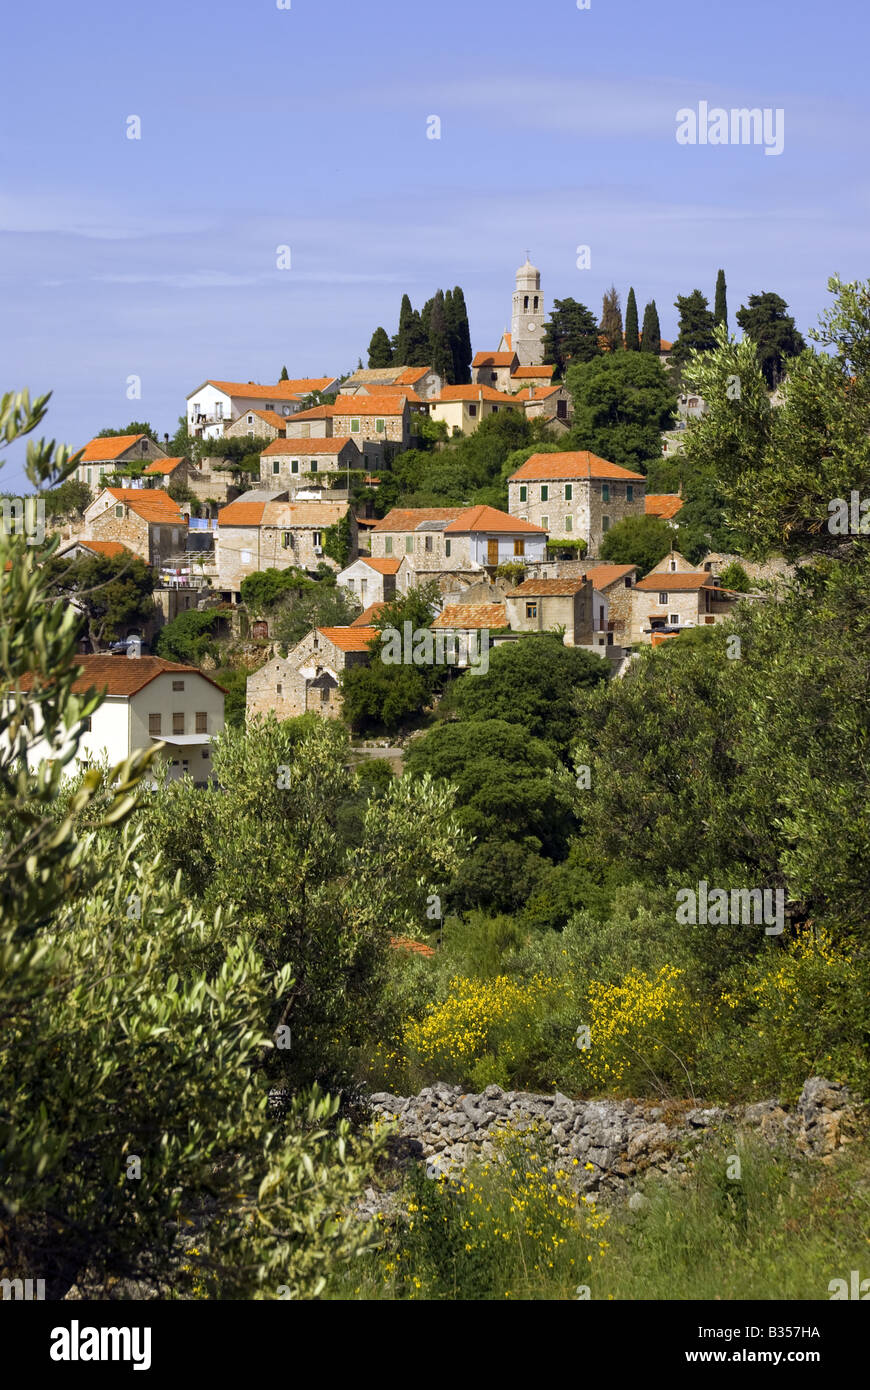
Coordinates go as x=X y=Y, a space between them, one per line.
x=216 y=403
x=147 y=700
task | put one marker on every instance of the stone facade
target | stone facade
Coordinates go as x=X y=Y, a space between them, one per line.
x=528 y=317
x=308 y=678
x=495 y=369
x=255 y=536
x=371 y=581
x=575 y=496
x=103 y=457
x=440 y=540
x=286 y=462
x=150 y=528
x=541 y=605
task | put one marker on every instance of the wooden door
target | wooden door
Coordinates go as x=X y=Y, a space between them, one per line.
x=492 y=551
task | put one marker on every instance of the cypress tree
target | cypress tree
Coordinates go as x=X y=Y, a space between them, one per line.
x=285 y=375
x=460 y=336
x=611 y=319
x=632 y=334
x=440 y=353
x=652 y=333
x=411 y=343
x=380 y=351
x=720 y=306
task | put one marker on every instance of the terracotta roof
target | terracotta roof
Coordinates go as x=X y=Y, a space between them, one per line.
x=508 y=338
x=164 y=465
x=151 y=503
x=531 y=373
x=106 y=547
x=316 y=412
x=366 y=616
x=491 y=519
x=536 y=393
x=572 y=465
x=122 y=675
x=241 y=513
x=603 y=576
x=406 y=518
x=314 y=514
x=281 y=391
x=493 y=359
x=410 y=375
x=541 y=588
x=375 y=390
x=103 y=450
x=404 y=943
x=381 y=403
x=472 y=615
x=662 y=504
x=306 y=446
x=399 y=376
x=349 y=639
x=382 y=566
x=473 y=392
x=270 y=416
x=694 y=579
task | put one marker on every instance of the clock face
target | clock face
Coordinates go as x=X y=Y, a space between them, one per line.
x=532 y=326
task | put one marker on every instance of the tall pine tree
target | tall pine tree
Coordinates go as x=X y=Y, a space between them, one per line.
x=440 y=352
x=285 y=375
x=611 y=319
x=632 y=334
x=380 y=351
x=696 y=326
x=652 y=333
x=411 y=343
x=720 y=305
x=460 y=335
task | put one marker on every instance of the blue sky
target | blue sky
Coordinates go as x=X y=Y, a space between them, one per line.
x=306 y=127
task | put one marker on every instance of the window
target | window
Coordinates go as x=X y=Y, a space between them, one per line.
x=279 y=688
x=663 y=599
x=86 y=725
x=287 y=540
x=313 y=468
x=379 y=426
x=354 y=426
x=605 y=523
x=270 y=406
x=519 y=547
x=205 y=752
x=178 y=685
x=276 y=466
x=524 y=492
x=250 y=419
x=246 y=557
x=315 y=538
x=536 y=301
x=628 y=581
x=569 y=523
x=178 y=723
x=472 y=410
x=409 y=545
x=531 y=610
x=673 y=566
x=447 y=546
x=605 y=493
x=250 y=434
x=202 y=721
x=569 y=492
x=495 y=410
x=674 y=619
x=526 y=302
x=218 y=410
x=629 y=492
x=119 y=511
x=154 y=723
x=324 y=694
x=294 y=466
x=545 y=492
x=428 y=543
x=561 y=410
x=493 y=376
x=388 y=545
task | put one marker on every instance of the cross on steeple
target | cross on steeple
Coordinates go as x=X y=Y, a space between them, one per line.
x=527 y=255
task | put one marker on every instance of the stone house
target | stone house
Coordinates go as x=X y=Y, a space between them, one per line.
x=495 y=369
x=463 y=407
x=541 y=605
x=422 y=381
x=214 y=404
x=369 y=580
x=163 y=472
x=145 y=520
x=524 y=377
x=550 y=403
x=103 y=457
x=257 y=424
x=308 y=678
x=370 y=420
x=612 y=586
x=435 y=541
x=575 y=496
x=667 y=601
x=262 y=532
x=287 y=463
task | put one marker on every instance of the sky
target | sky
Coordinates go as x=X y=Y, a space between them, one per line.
x=307 y=127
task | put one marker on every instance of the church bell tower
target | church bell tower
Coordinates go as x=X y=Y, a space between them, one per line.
x=528 y=317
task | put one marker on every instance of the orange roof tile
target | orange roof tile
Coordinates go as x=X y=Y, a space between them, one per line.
x=382 y=566
x=164 y=465
x=404 y=943
x=106 y=547
x=121 y=675
x=491 y=519
x=241 y=513
x=693 y=579
x=603 y=576
x=103 y=450
x=406 y=518
x=474 y=392
x=493 y=359
x=472 y=615
x=282 y=390
x=349 y=639
x=662 y=504
x=271 y=417
x=152 y=504
x=365 y=618
x=581 y=464
x=306 y=446
x=531 y=373
x=379 y=403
